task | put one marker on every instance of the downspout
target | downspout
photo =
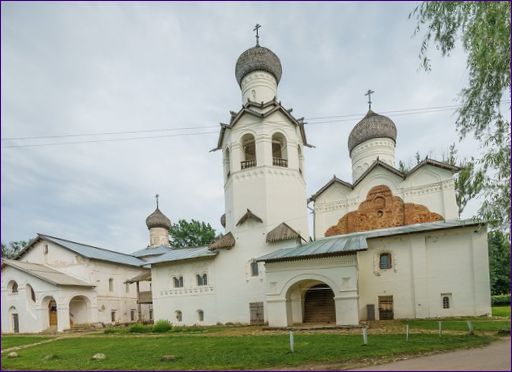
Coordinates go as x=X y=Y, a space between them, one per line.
x=314 y=218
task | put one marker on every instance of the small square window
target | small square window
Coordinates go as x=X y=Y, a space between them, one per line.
x=254 y=268
x=385 y=261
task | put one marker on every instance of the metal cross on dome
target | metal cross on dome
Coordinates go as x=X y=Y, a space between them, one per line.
x=156 y=197
x=256 y=28
x=369 y=94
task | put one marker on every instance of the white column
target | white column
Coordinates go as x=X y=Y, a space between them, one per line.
x=62 y=318
x=277 y=312
x=347 y=312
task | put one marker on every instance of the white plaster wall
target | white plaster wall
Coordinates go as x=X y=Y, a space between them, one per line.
x=424 y=266
x=365 y=154
x=98 y=273
x=33 y=316
x=430 y=186
x=158 y=236
x=258 y=86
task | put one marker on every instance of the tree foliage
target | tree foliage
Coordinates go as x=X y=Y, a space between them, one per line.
x=484 y=31
x=191 y=234
x=499 y=262
x=12 y=249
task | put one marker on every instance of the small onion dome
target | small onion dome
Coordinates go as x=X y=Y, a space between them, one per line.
x=223 y=220
x=371 y=126
x=158 y=219
x=258 y=58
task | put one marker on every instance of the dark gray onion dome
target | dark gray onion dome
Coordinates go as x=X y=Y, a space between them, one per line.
x=158 y=219
x=371 y=126
x=223 y=220
x=258 y=58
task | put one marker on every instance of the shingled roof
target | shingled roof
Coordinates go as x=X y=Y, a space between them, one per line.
x=227 y=241
x=247 y=216
x=281 y=233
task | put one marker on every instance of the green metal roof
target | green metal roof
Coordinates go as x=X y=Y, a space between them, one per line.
x=351 y=243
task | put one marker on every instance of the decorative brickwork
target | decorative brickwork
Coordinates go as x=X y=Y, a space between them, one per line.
x=382 y=209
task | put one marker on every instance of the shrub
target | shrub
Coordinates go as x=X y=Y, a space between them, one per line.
x=500 y=300
x=162 y=326
x=139 y=328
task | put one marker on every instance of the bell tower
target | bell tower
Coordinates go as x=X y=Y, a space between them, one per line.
x=263 y=153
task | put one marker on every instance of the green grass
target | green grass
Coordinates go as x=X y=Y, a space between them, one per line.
x=11 y=341
x=220 y=352
x=459 y=325
x=502 y=311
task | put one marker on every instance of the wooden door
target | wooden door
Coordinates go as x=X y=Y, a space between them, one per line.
x=256 y=311
x=15 y=323
x=385 y=307
x=52 y=313
x=319 y=305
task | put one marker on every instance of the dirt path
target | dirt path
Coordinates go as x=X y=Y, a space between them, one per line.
x=495 y=357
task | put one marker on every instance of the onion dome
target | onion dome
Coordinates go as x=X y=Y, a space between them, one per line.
x=371 y=126
x=223 y=220
x=158 y=219
x=258 y=58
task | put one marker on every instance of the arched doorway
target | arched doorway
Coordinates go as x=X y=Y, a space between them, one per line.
x=50 y=304
x=310 y=301
x=319 y=304
x=79 y=310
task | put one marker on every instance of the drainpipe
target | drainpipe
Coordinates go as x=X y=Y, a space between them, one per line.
x=314 y=219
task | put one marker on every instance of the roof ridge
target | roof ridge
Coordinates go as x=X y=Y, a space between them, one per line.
x=87 y=245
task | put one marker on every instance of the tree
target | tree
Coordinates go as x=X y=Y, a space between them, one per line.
x=499 y=262
x=484 y=30
x=191 y=234
x=12 y=249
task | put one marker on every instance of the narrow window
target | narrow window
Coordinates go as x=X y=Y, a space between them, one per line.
x=113 y=316
x=279 y=156
x=181 y=282
x=132 y=315
x=111 y=285
x=178 y=282
x=200 y=315
x=254 y=268
x=150 y=312
x=31 y=292
x=199 y=279
x=14 y=287
x=385 y=261
x=45 y=249
x=446 y=300
x=205 y=279
x=227 y=163
x=179 y=315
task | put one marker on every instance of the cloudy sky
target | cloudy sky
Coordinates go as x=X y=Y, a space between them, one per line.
x=152 y=68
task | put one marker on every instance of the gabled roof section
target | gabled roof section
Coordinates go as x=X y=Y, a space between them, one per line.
x=183 y=254
x=248 y=108
x=351 y=243
x=333 y=180
x=281 y=233
x=227 y=241
x=379 y=163
x=152 y=251
x=248 y=215
x=434 y=163
x=46 y=273
x=87 y=251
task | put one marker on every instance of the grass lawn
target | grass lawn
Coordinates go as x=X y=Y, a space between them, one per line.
x=11 y=341
x=220 y=352
x=459 y=325
x=502 y=311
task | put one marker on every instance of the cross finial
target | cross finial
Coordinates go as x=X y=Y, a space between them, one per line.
x=369 y=94
x=256 y=28
x=156 y=197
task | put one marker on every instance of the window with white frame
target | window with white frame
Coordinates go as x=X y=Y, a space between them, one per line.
x=111 y=284
x=202 y=279
x=446 y=300
x=254 y=268
x=178 y=281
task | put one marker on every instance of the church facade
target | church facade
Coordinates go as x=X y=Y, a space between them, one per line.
x=387 y=244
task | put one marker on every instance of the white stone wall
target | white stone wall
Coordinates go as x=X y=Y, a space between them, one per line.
x=430 y=186
x=258 y=86
x=366 y=153
x=34 y=315
x=425 y=266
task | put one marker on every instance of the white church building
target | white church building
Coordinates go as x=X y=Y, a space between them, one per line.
x=388 y=244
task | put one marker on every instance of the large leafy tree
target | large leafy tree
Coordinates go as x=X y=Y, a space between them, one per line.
x=191 y=234
x=499 y=262
x=483 y=29
x=12 y=249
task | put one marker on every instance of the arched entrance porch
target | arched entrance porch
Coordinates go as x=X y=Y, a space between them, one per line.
x=310 y=301
x=79 y=310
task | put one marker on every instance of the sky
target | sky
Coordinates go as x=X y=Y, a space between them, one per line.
x=154 y=67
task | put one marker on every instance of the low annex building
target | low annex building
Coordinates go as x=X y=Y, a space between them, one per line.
x=386 y=245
